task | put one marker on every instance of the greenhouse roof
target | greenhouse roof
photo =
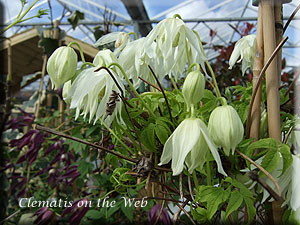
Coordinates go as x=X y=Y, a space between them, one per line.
x=214 y=19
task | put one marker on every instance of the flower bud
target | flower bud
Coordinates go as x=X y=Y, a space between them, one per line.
x=62 y=65
x=193 y=88
x=226 y=128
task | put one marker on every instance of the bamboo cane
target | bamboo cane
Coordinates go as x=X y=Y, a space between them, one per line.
x=271 y=73
x=278 y=33
x=257 y=67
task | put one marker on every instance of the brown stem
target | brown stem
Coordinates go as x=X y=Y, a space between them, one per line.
x=163 y=92
x=291 y=18
x=152 y=85
x=292 y=84
x=259 y=82
x=254 y=176
x=262 y=170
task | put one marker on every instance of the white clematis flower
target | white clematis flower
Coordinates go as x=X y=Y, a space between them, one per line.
x=226 y=128
x=121 y=39
x=245 y=47
x=90 y=92
x=295 y=197
x=189 y=144
x=175 y=42
x=104 y=58
x=135 y=59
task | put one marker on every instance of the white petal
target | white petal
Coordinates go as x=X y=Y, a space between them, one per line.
x=107 y=38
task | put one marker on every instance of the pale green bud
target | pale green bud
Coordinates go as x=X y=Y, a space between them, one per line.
x=225 y=128
x=193 y=88
x=62 y=65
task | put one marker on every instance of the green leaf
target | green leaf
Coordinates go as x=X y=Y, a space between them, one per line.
x=235 y=201
x=112 y=210
x=75 y=17
x=128 y=211
x=85 y=167
x=250 y=209
x=267 y=143
x=243 y=189
x=286 y=156
x=162 y=131
x=148 y=137
x=214 y=200
x=270 y=161
x=94 y=214
x=199 y=214
x=90 y=130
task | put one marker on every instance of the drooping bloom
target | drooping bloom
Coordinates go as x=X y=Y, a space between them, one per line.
x=175 y=43
x=44 y=216
x=245 y=47
x=164 y=218
x=121 y=39
x=104 y=58
x=193 y=88
x=91 y=91
x=62 y=65
x=135 y=59
x=189 y=143
x=226 y=128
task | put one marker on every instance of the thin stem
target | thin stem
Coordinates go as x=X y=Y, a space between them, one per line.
x=291 y=18
x=134 y=34
x=51 y=131
x=262 y=170
x=163 y=92
x=19 y=18
x=190 y=187
x=208 y=172
x=195 y=179
x=180 y=187
x=87 y=63
x=132 y=88
x=192 y=110
x=258 y=83
x=114 y=134
x=152 y=85
x=174 y=83
x=177 y=16
x=191 y=67
x=80 y=50
x=209 y=66
x=21 y=10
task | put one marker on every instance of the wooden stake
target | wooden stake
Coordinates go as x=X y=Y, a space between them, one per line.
x=257 y=67
x=37 y=109
x=271 y=73
x=278 y=33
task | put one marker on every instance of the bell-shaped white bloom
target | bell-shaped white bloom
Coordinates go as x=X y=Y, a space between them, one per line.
x=135 y=59
x=121 y=39
x=104 y=58
x=245 y=47
x=189 y=144
x=91 y=91
x=226 y=128
x=193 y=88
x=62 y=65
x=175 y=43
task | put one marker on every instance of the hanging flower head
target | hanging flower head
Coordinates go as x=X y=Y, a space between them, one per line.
x=189 y=144
x=62 y=65
x=175 y=45
x=121 y=39
x=226 y=128
x=245 y=47
x=135 y=59
x=91 y=92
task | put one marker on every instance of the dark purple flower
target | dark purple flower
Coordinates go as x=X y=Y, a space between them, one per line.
x=33 y=139
x=58 y=145
x=25 y=120
x=44 y=216
x=164 y=217
x=78 y=209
